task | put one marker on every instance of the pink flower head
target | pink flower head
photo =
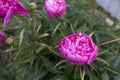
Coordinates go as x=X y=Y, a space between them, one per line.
x=2 y=37
x=78 y=48
x=9 y=8
x=55 y=8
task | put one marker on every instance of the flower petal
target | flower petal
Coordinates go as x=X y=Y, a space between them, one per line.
x=8 y=17
x=93 y=55
x=21 y=10
x=80 y=60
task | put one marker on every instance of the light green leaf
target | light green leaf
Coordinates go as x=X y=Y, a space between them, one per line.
x=113 y=70
x=21 y=37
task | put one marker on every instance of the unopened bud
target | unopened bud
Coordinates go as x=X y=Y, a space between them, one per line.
x=33 y=5
x=10 y=40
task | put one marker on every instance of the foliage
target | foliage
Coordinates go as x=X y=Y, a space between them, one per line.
x=35 y=55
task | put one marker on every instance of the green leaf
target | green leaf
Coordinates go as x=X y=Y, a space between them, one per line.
x=27 y=58
x=38 y=29
x=49 y=65
x=56 y=28
x=103 y=61
x=105 y=76
x=60 y=62
x=21 y=36
x=68 y=68
x=113 y=70
x=59 y=77
x=23 y=20
x=51 y=49
x=44 y=35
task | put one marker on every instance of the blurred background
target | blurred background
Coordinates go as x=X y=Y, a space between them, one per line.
x=112 y=6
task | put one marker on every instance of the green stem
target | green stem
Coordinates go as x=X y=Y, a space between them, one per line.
x=111 y=41
x=82 y=73
x=33 y=27
x=94 y=5
x=76 y=68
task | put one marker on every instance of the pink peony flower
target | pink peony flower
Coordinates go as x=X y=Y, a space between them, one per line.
x=78 y=48
x=55 y=8
x=9 y=8
x=2 y=37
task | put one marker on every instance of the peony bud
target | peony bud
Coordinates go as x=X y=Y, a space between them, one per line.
x=33 y=5
x=10 y=40
x=2 y=36
x=55 y=8
x=78 y=48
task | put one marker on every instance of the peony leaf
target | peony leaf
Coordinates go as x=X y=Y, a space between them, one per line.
x=49 y=65
x=113 y=70
x=21 y=37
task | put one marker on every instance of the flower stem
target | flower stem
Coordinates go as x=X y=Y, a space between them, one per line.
x=82 y=73
x=76 y=68
x=94 y=6
x=111 y=41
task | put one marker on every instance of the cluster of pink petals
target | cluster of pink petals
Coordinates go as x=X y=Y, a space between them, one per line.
x=78 y=48
x=8 y=8
x=2 y=37
x=55 y=8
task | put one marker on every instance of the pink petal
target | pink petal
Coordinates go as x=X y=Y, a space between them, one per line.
x=21 y=10
x=80 y=60
x=93 y=55
x=8 y=17
x=71 y=58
